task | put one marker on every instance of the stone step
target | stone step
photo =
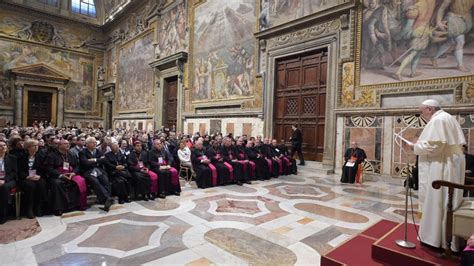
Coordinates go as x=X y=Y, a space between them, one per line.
x=315 y=168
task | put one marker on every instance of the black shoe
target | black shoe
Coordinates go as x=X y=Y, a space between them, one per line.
x=239 y=183
x=176 y=193
x=58 y=213
x=128 y=200
x=301 y=164
x=150 y=196
x=29 y=214
x=248 y=182
x=121 y=201
x=144 y=198
x=3 y=220
x=107 y=204
x=162 y=196
x=38 y=213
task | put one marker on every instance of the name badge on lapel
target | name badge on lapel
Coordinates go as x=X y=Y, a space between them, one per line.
x=140 y=164
x=65 y=166
x=160 y=160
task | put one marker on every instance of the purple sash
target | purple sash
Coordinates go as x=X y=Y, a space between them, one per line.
x=154 y=182
x=213 y=172
x=231 y=170
x=269 y=163
x=253 y=166
x=174 y=176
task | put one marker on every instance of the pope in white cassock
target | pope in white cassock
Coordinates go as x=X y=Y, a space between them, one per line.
x=440 y=158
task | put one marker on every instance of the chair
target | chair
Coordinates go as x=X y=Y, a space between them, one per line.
x=459 y=222
x=186 y=170
x=17 y=194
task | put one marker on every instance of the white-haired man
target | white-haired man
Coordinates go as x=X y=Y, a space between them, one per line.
x=91 y=162
x=440 y=158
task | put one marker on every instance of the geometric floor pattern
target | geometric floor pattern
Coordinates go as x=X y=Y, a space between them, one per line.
x=289 y=220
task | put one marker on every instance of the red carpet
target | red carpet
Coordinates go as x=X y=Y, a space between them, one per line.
x=357 y=251
x=387 y=250
x=376 y=246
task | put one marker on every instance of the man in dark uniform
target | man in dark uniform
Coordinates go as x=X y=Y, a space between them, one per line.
x=296 y=141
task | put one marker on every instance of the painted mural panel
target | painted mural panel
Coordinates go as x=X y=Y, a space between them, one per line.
x=22 y=26
x=172 y=31
x=135 y=76
x=223 y=50
x=111 y=65
x=79 y=90
x=282 y=11
x=411 y=40
x=6 y=93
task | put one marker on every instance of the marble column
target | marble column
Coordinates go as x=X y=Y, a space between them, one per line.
x=60 y=116
x=18 y=104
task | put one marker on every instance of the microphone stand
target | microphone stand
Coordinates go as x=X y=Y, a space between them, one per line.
x=404 y=243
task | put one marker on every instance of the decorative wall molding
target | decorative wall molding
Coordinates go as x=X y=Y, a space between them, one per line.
x=326 y=28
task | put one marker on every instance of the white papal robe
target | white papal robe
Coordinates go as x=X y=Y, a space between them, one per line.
x=440 y=158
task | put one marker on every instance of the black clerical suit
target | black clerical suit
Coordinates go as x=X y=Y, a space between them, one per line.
x=202 y=169
x=168 y=182
x=119 y=179
x=141 y=179
x=223 y=171
x=65 y=192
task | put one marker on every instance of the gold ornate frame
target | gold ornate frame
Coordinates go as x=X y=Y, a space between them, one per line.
x=354 y=95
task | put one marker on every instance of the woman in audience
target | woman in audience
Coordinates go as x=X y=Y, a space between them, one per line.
x=32 y=181
x=8 y=174
x=184 y=155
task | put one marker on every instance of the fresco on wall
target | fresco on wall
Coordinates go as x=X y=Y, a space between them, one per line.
x=282 y=11
x=31 y=28
x=223 y=50
x=6 y=92
x=135 y=76
x=79 y=91
x=172 y=32
x=111 y=65
x=411 y=40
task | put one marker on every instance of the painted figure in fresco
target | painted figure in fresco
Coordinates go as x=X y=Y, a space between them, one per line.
x=456 y=23
x=263 y=18
x=383 y=28
x=418 y=30
x=305 y=7
x=367 y=42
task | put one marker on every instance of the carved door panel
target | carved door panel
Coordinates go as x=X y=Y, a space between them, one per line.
x=39 y=106
x=300 y=98
x=170 y=103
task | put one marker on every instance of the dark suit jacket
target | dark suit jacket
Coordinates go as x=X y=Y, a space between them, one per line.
x=11 y=171
x=85 y=165
x=23 y=169
x=297 y=138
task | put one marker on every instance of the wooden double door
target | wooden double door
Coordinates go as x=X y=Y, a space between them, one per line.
x=300 y=98
x=170 y=102
x=39 y=106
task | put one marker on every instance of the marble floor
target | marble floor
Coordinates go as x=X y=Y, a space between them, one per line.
x=284 y=221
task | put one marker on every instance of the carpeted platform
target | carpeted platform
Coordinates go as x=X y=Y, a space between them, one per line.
x=376 y=246
x=385 y=249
